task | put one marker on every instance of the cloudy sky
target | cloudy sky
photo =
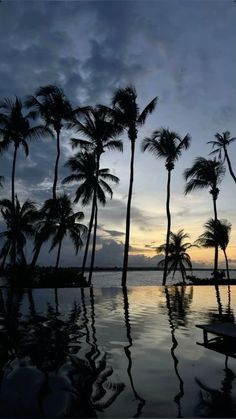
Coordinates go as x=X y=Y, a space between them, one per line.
x=181 y=51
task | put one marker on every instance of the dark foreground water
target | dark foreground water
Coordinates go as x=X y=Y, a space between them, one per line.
x=108 y=352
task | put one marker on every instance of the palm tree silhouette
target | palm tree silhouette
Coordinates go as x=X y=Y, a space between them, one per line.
x=220 y=145
x=24 y=218
x=15 y=129
x=216 y=233
x=128 y=117
x=93 y=188
x=178 y=258
x=65 y=222
x=52 y=105
x=168 y=145
x=97 y=126
x=206 y=173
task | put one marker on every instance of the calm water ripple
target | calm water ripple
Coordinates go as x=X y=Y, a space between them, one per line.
x=112 y=352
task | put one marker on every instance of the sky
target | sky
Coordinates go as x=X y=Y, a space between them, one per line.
x=182 y=51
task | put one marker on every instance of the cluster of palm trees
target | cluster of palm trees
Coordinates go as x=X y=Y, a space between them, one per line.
x=48 y=113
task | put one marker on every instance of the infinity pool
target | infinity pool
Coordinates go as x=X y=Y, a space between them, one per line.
x=108 y=352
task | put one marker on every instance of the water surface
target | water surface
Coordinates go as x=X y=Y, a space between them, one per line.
x=108 y=352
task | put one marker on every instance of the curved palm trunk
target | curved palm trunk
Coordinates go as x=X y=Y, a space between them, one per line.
x=168 y=228
x=127 y=231
x=13 y=206
x=94 y=242
x=216 y=245
x=58 y=254
x=128 y=353
x=180 y=394
x=229 y=165
x=54 y=189
x=227 y=264
x=89 y=234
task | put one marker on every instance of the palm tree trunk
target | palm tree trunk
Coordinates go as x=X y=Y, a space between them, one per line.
x=94 y=242
x=227 y=264
x=216 y=244
x=58 y=254
x=13 y=206
x=89 y=234
x=168 y=228
x=229 y=165
x=54 y=189
x=127 y=232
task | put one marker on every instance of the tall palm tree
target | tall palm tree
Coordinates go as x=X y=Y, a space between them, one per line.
x=15 y=129
x=204 y=174
x=52 y=105
x=24 y=218
x=220 y=144
x=100 y=131
x=66 y=222
x=167 y=145
x=178 y=258
x=127 y=115
x=93 y=189
x=216 y=232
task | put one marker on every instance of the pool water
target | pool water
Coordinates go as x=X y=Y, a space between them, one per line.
x=113 y=352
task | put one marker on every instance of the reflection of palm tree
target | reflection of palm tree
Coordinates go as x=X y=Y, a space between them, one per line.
x=168 y=145
x=141 y=401
x=218 y=403
x=93 y=188
x=216 y=233
x=220 y=145
x=127 y=116
x=179 y=396
x=24 y=218
x=178 y=258
x=206 y=174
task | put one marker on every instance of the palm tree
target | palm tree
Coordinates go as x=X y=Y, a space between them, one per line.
x=168 y=145
x=220 y=145
x=93 y=188
x=127 y=116
x=216 y=233
x=178 y=258
x=100 y=132
x=206 y=173
x=15 y=129
x=66 y=222
x=51 y=104
x=24 y=218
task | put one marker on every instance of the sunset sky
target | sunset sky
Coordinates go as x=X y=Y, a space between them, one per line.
x=181 y=51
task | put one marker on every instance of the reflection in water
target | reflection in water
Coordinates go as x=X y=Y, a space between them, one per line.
x=141 y=401
x=218 y=403
x=180 y=304
x=44 y=376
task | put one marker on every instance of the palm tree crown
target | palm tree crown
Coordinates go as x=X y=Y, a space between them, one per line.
x=205 y=173
x=220 y=145
x=84 y=168
x=98 y=129
x=178 y=258
x=166 y=144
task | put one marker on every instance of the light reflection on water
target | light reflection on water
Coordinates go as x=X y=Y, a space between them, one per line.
x=108 y=352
